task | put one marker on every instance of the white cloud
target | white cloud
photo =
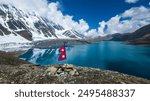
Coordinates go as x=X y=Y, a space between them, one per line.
x=102 y=27
x=131 y=1
x=128 y=21
x=92 y=33
x=66 y=21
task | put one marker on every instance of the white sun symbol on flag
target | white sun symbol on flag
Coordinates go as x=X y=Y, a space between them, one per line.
x=63 y=56
x=62 y=50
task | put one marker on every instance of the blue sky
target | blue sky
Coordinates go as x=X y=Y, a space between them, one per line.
x=94 y=11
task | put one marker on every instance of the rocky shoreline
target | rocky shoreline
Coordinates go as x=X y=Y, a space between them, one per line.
x=56 y=42
x=16 y=71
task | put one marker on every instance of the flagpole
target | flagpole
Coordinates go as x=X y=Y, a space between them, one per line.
x=66 y=55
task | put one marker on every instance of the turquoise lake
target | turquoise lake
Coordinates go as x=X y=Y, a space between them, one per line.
x=108 y=55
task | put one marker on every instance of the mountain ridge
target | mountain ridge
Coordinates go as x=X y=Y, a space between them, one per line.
x=140 y=36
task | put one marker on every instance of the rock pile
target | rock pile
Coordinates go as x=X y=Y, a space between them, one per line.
x=62 y=70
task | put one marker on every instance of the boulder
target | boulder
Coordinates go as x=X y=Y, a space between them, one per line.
x=51 y=70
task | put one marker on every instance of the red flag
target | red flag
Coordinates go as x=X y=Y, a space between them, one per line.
x=63 y=53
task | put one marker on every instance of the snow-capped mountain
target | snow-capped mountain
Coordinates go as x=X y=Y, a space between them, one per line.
x=17 y=26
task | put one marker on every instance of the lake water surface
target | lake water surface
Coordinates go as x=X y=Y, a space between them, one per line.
x=116 y=56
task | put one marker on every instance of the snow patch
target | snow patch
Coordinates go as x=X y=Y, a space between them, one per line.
x=12 y=39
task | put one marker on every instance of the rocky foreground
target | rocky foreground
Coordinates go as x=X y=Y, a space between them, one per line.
x=16 y=71
x=63 y=74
